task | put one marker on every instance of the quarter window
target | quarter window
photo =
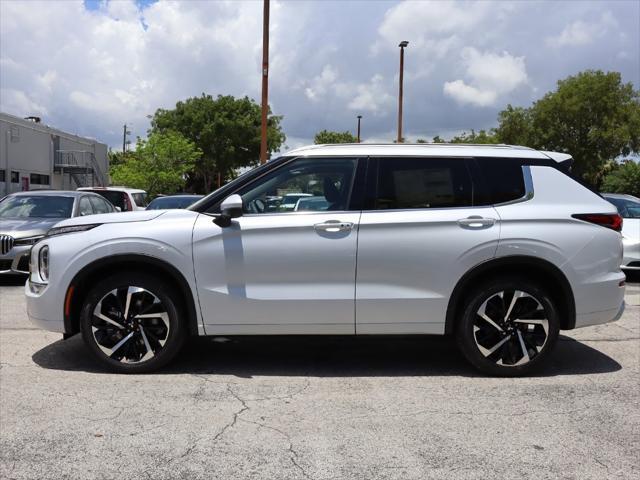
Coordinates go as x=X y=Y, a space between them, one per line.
x=310 y=184
x=503 y=178
x=412 y=183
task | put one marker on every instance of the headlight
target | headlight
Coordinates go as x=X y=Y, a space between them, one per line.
x=28 y=240
x=71 y=229
x=43 y=263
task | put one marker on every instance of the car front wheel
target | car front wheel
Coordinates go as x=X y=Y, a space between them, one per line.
x=131 y=323
x=508 y=327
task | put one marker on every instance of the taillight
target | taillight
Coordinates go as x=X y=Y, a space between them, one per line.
x=608 y=220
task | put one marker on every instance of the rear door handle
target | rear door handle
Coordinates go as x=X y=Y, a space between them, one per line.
x=333 y=226
x=476 y=221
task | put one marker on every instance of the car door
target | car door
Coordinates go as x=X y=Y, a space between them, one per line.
x=418 y=235
x=278 y=271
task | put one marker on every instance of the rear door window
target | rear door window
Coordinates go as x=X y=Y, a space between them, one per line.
x=99 y=205
x=115 y=197
x=84 y=207
x=140 y=199
x=418 y=183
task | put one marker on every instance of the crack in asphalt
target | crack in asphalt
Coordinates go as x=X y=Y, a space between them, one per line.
x=294 y=456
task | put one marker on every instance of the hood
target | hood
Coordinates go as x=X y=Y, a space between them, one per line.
x=124 y=217
x=26 y=227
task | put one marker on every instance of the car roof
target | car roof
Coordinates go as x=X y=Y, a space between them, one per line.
x=114 y=188
x=427 y=149
x=50 y=193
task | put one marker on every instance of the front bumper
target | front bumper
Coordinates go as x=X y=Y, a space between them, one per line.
x=45 y=308
x=16 y=260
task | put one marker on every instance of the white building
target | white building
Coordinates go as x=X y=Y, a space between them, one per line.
x=34 y=155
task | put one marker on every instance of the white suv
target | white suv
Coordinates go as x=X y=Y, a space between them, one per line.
x=496 y=245
x=126 y=199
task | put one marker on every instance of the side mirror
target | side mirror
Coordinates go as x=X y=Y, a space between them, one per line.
x=231 y=207
x=118 y=209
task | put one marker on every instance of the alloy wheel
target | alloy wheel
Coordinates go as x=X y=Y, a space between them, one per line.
x=130 y=324
x=511 y=328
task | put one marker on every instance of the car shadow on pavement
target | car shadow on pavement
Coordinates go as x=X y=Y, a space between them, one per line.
x=329 y=357
x=12 y=280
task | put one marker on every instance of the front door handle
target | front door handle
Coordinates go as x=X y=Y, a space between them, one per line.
x=476 y=221
x=333 y=226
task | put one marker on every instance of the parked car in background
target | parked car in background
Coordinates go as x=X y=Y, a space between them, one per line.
x=126 y=199
x=173 y=201
x=26 y=217
x=629 y=208
x=496 y=245
x=316 y=203
x=289 y=201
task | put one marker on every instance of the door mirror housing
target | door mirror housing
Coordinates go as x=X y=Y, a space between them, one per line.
x=231 y=207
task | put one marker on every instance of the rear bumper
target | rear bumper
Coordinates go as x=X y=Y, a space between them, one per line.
x=598 y=318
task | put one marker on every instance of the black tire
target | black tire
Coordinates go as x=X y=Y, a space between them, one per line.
x=159 y=336
x=494 y=337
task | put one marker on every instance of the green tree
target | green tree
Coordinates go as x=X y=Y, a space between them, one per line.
x=624 y=179
x=227 y=131
x=158 y=165
x=482 y=137
x=327 y=136
x=593 y=115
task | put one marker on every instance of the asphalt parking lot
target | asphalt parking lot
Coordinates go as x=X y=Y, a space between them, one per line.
x=318 y=409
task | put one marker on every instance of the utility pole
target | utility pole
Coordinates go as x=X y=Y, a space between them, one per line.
x=265 y=82
x=125 y=132
x=402 y=46
x=359 y=118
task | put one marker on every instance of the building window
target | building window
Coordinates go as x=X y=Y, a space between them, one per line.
x=15 y=177
x=38 y=179
x=3 y=176
x=15 y=134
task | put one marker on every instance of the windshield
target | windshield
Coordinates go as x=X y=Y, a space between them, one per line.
x=172 y=202
x=36 y=206
x=626 y=207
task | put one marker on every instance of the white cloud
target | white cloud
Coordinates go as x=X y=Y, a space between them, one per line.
x=490 y=76
x=580 y=33
x=371 y=96
x=421 y=22
x=463 y=93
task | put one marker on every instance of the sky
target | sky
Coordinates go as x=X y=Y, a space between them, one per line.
x=90 y=66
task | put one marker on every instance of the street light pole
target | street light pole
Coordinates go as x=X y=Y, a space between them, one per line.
x=265 y=82
x=125 y=132
x=359 y=118
x=402 y=46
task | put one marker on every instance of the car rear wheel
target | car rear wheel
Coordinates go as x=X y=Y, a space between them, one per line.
x=131 y=323
x=508 y=327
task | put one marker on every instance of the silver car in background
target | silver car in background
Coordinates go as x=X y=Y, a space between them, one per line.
x=25 y=218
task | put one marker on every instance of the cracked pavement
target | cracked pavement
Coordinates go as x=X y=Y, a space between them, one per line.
x=319 y=408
